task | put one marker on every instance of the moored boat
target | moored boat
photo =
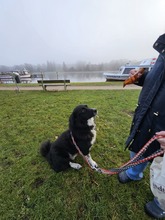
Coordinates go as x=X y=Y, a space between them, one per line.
x=15 y=76
x=123 y=73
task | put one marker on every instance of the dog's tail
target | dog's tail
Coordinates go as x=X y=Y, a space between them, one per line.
x=45 y=148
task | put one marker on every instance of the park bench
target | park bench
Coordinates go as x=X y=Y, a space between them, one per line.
x=57 y=82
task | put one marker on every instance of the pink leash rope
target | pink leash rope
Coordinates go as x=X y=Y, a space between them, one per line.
x=79 y=151
x=131 y=163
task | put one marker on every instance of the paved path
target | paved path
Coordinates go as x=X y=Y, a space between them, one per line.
x=72 y=87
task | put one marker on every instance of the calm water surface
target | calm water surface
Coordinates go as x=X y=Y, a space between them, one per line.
x=74 y=76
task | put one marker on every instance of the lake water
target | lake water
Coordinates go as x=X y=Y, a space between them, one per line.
x=91 y=76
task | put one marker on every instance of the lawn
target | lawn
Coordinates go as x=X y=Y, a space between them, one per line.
x=31 y=190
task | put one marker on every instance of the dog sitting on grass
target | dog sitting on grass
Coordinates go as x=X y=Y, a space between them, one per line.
x=61 y=153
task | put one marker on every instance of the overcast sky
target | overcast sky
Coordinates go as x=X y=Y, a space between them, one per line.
x=96 y=31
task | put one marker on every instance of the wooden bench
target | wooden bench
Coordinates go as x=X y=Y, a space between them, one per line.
x=57 y=82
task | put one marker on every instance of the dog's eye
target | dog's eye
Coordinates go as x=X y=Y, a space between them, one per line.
x=83 y=110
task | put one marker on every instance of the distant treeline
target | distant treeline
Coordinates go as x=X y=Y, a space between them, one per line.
x=79 y=66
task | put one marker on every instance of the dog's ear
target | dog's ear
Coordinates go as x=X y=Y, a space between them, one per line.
x=71 y=121
x=74 y=121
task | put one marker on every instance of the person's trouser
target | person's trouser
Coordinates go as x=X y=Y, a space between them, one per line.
x=136 y=173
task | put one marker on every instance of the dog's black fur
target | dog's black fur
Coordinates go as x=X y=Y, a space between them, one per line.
x=60 y=154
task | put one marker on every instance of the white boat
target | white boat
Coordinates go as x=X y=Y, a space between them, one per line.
x=123 y=73
x=24 y=73
x=15 y=76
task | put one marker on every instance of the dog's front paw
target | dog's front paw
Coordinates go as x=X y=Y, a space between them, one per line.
x=93 y=165
x=76 y=166
x=91 y=162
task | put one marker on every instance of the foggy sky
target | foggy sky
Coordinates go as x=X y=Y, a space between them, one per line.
x=96 y=31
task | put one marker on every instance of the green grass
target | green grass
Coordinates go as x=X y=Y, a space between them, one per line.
x=31 y=190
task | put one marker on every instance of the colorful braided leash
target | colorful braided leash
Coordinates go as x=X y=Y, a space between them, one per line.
x=131 y=163
x=136 y=159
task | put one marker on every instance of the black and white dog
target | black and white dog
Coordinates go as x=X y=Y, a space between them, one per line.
x=61 y=153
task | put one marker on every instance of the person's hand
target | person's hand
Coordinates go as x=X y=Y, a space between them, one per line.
x=134 y=72
x=161 y=139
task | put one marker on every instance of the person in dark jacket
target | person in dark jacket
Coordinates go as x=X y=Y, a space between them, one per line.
x=149 y=116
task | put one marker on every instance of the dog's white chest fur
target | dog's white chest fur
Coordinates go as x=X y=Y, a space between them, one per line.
x=91 y=122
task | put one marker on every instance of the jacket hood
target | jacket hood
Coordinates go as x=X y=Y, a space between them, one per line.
x=159 y=45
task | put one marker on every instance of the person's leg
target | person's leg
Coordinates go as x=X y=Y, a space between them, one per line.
x=153 y=209
x=134 y=173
